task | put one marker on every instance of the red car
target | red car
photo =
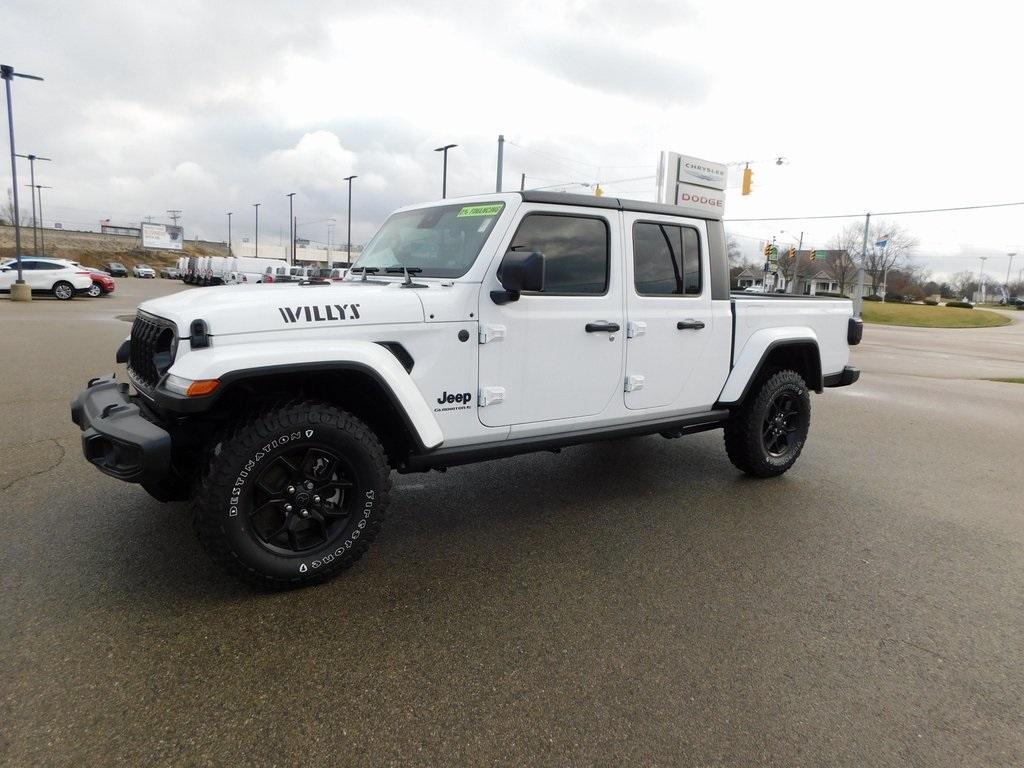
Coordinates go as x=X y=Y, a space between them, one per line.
x=102 y=283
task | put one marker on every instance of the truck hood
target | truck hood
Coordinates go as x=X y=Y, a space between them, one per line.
x=259 y=308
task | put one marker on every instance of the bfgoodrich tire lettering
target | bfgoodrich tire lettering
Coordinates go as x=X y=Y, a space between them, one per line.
x=765 y=436
x=255 y=515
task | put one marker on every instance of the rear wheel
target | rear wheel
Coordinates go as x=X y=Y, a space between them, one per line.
x=95 y=290
x=293 y=496
x=63 y=290
x=765 y=436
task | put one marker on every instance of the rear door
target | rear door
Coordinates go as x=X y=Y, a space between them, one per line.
x=669 y=314
x=555 y=354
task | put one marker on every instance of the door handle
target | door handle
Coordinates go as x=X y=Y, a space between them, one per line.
x=689 y=325
x=602 y=327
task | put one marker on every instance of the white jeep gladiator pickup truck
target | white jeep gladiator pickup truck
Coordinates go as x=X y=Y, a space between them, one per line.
x=468 y=330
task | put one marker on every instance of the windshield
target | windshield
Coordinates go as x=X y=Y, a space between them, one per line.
x=442 y=241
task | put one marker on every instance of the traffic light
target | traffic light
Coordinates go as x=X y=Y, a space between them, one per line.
x=792 y=252
x=748 y=178
x=767 y=251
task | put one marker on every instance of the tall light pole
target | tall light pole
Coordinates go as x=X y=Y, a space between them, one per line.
x=501 y=161
x=291 y=229
x=42 y=223
x=257 y=207
x=348 y=253
x=19 y=291
x=444 y=172
x=981 y=278
x=32 y=183
x=230 y=213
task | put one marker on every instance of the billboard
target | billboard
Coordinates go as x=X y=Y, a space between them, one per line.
x=165 y=236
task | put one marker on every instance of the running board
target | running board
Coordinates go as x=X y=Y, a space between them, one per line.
x=470 y=454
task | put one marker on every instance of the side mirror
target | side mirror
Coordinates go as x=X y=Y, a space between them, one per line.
x=519 y=271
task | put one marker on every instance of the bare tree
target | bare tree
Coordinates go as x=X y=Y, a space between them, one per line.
x=7 y=211
x=963 y=284
x=889 y=246
x=735 y=254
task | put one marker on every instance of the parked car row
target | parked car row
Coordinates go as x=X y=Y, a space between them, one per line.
x=61 y=278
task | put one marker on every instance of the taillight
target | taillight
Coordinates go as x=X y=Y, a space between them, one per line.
x=269 y=279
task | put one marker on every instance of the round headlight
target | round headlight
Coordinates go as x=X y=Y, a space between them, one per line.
x=163 y=351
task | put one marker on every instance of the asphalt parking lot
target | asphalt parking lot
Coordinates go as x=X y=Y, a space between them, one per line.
x=635 y=602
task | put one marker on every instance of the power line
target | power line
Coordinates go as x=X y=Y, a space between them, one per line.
x=885 y=213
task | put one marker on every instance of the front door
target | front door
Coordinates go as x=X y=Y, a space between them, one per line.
x=669 y=309
x=558 y=353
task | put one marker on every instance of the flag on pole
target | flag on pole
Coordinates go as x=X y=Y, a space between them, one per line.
x=882 y=241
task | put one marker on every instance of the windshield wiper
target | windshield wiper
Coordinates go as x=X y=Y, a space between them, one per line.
x=366 y=271
x=407 y=271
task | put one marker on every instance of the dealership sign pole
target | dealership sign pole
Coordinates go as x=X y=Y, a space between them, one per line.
x=692 y=182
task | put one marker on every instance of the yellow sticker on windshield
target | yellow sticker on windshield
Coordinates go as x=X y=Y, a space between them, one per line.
x=481 y=210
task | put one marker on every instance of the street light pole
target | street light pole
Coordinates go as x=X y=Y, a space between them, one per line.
x=501 y=161
x=42 y=243
x=348 y=253
x=229 y=232
x=19 y=291
x=291 y=230
x=257 y=207
x=32 y=183
x=444 y=173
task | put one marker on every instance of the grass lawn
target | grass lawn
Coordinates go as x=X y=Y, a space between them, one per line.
x=1011 y=380
x=923 y=316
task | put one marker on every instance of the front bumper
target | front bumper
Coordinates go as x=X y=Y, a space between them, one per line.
x=116 y=437
x=844 y=378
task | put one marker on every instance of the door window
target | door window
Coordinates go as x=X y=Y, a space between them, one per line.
x=666 y=260
x=575 y=251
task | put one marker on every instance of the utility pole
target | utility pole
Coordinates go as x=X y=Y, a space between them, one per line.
x=291 y=231
x=444 y=171
x=32 y=183
x=42 y=223
x=257 y=207
x=522 y=182
x=981 y=279
x=501 y=160
x=858 y=300
x=1008 y=268
x=175 y=214
x=348 y=253
x=19 y=291
x=229 y=232
x=295 y=233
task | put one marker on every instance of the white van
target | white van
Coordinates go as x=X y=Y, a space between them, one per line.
x=245 y=269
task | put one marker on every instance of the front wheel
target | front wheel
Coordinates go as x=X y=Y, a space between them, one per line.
x=766 y=435
x=63 y=290
x=95 y=290
x=293 y=496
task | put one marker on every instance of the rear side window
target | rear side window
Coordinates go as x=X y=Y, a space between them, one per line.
x=575 y=251
x=666 y=260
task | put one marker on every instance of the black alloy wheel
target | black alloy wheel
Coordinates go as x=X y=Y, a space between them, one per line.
x=303 y=500
x=781 y=424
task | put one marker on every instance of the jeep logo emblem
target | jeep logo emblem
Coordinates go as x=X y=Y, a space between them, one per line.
x=449 y=398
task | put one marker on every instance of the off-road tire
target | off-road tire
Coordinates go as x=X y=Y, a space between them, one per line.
x=63 y=290
x=745 y=440
x=222 y=503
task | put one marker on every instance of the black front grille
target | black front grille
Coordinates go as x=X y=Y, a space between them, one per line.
x=152 y=349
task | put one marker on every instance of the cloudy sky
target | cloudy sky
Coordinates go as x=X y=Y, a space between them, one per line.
x=210 y=107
